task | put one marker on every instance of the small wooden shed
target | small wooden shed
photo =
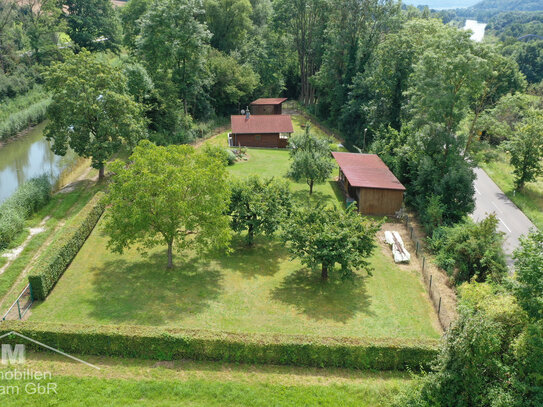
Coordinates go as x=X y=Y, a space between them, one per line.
x=249 y=130
x=267 y=106
x=367 y=179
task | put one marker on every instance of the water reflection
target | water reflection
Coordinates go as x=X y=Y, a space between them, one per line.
x=28 y=157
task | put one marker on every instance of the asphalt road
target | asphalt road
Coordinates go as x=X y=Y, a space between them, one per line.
x=489 y=198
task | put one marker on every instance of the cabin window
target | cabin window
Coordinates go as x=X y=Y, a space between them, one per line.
x=258 y=137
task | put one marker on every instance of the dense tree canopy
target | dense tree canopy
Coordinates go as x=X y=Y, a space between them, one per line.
x=321 y=236
x=166 y=196
x=92 y=24
x=173 y=45
x=92 y=111
x=259 y=206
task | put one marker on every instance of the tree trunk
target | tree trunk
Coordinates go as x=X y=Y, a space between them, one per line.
x=101 y=172
x=311 y=187
x=324 y=272
x=250 y=235
x=170 y=255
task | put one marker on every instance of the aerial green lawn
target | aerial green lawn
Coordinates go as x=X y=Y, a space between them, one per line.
x=61 y=208
x=530 y=200
x=147 y=383
x=252 y=290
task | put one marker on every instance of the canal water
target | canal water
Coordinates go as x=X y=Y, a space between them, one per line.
x=29 y=156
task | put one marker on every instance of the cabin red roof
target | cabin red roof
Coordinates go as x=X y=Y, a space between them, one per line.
x=261 y=124
x=269 y=101
x=367 y=171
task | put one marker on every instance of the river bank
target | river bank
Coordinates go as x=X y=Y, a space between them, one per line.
x=28 y=155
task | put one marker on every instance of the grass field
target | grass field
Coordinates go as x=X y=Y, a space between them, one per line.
x=256 y=290
x=530 y=200
x=134 y=382
x=62 y=207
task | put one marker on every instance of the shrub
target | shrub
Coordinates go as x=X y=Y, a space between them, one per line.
x=30 y=197
x=231 y=157
x=174 y=344
x=61 y=252
x=471 y=250
x=11 y=223
x=224 y=154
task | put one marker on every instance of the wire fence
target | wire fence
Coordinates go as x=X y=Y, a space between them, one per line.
x=437 y=283
x=21 y=305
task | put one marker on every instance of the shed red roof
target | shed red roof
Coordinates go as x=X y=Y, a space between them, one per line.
x=269 y=101
x=261 y=124
x=367 y=171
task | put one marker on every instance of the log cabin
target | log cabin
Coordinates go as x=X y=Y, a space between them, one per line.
x=366 y=179
x=249 y=130
x=266 y=106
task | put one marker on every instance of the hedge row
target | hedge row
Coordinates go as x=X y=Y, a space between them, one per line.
x=31 y=196
x=175 y=344
x=61 y=252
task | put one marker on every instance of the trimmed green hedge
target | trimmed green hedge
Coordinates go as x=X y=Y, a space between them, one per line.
x=173 y=344
x=61 y=252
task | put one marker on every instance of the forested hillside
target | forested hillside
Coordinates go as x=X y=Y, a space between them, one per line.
x=510 y=5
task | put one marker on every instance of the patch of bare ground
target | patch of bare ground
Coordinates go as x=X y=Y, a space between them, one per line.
x=14 y=253
x=440 y=291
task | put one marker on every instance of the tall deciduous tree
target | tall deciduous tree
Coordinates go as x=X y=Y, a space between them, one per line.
x=229 y=21
x=166 y=196
x=91 y=112
x=233 y=84
x=352 y=34
x=259 y=206
x=130 y=15
x=173 y=44
x=526 y=150
x=305 y=21
x=310 y=159
x=445 y=80
x=42 y=22
x=321 y=236
x=93 y=24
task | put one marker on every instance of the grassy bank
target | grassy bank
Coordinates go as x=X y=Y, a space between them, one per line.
x=134 y=382
x=529 y=200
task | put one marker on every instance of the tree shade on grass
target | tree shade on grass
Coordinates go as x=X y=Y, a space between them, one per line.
x=253 y=290
x=168 y=195
x=257 y=290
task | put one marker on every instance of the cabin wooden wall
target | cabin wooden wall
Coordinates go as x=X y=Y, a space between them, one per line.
x=374 y=201
x=259 y=140
x=266 y=109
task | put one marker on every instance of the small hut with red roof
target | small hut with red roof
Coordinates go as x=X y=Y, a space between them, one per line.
x=251 y=130
x=367 y=179
x=266 y=106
